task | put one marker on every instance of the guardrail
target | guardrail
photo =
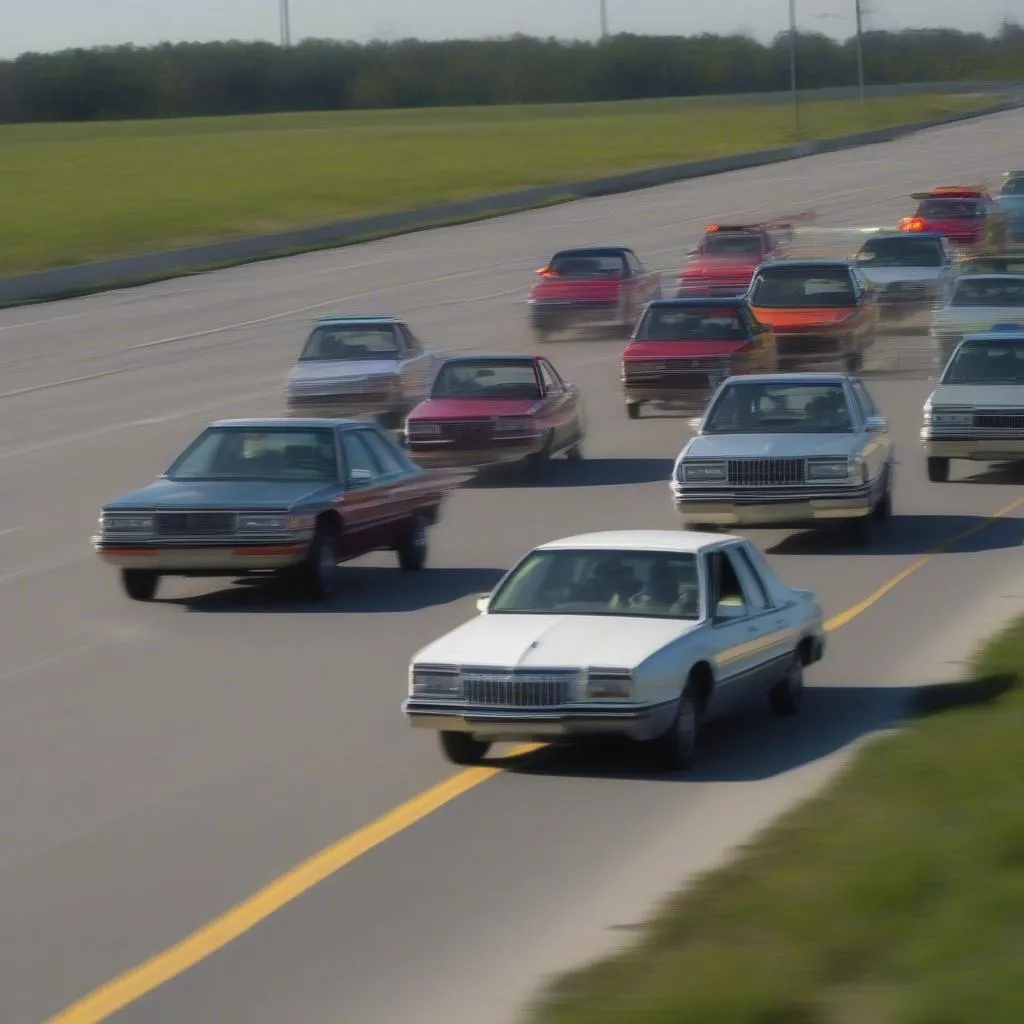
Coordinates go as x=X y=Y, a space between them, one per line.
x=79 y=279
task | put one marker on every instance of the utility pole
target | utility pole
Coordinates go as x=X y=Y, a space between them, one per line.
x=792 y=63
x=604 y=19
x=858 y=8
x=286 y=26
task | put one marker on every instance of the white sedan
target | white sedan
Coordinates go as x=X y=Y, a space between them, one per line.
x=636 y=633
x=977 y=303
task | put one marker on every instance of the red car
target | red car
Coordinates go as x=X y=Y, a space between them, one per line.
x=599 y=286
x=484 y=410
x=956 y=211
x=682 y=349
x=726 y=258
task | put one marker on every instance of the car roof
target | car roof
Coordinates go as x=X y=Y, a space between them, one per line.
x=286 y=422
x=610 y=250
x=810 y=377
x=704 y=300
x=492 y=357
x=937 y=235
x=1007 y=335
x=683 y=541
x=371 y=319
x=804 y=264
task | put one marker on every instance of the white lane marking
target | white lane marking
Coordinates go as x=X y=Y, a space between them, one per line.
x=119 y=636
x=11 y=529
x=37 y=570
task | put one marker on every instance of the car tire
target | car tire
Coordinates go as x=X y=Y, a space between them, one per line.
x=633 y=410
x=786 y=695
x=316 y=576
x=938 y=470
x=462 y=749
x=883 y=510
x=140 y=584
x=676 y=748
x=415 y=546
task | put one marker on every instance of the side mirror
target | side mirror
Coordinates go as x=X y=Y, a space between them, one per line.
x=876 y=425
x=482 y=602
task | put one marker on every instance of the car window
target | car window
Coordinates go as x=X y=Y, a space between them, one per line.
x=953 y=209
x=741 y=244
x=487 y=378
x=779 y=408
x=906 y=251
x=753 y=590
x=864 y=399
x=684 y=323
x=361 y=466
x=981 y=291
x=350 y=341
x=633 y=263
x=986 y=362
x=413 y=343
x=240 y=453
x=585 y=263
x=803 y=287
x=726 y=590
x=551 y=381
x=384 y=451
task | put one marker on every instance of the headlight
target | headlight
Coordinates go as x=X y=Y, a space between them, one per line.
x=434 y=682
x=414 y=428
x=267 y=523
x=515 y=426
x=942 y=418
x=126 y=522
x=828 y=469
x=609 y=684
x=697 y=471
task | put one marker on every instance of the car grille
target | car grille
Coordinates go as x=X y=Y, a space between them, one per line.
x=517 y=689
x=999 y=420
x=195 y=524
x=466 y=428
x=326 y=388
x=766 y=472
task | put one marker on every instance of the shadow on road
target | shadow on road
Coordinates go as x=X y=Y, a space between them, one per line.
x=753 y=744
x=561 y=473
x=360 y=589
x=908 y=535
x=1007 y=474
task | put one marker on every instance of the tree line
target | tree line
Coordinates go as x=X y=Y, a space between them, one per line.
x=191 y=79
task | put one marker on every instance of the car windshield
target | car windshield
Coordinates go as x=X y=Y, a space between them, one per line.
x=780 y=408
x=901 y=252
x=1013 y=186
x=239 y=453
x=585 y=263
x=635 y=584
x=950 y=209
x=681 y=323
x=803 y=287
x=480 y=379
x=987 y=291
x=350 y=341
x=986 y=362
x=731 y=243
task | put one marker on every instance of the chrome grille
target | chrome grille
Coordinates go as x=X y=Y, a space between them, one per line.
x=466 y=428
x=517 y=689
x=195 y=524
x=326 y=387
x=766 y=472
x=999 y=420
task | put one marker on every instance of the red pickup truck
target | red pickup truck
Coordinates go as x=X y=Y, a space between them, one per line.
x=599 y=286
x=956 y=211
x=724 y=261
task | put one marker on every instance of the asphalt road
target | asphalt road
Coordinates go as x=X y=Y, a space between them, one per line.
x=160 y=763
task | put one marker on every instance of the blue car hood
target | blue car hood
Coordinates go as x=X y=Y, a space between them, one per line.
x=218 y=494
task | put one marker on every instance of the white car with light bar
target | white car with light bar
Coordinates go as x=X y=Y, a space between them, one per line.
x=787 y=450
x=644 y=634
x=908 y=270
x=977 y=411
x=977 y=303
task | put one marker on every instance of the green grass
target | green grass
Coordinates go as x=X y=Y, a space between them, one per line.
x=79 y=192
x=897 y=897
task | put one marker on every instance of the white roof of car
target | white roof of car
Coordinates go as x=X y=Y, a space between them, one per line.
x=687 y=541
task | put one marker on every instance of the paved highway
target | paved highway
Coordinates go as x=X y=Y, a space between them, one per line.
x=161 y=763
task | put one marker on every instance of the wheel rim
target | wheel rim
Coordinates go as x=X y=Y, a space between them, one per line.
x=326 y=565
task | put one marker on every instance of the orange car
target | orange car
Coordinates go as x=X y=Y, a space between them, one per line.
x=824 y=312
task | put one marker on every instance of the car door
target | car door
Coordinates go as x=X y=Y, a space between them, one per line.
x=400 y=500
x=367 y=506
x=560 y=405
x=741 y=629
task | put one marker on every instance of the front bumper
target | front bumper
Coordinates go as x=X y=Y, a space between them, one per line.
x=446 y=453
x=762 y=507
x=346 y=406
x=202 y=560
x=636 y=722
x=974 y=449
x=550 y=316
x=693 y=399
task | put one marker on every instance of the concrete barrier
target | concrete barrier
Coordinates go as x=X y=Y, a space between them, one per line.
x=79 y=279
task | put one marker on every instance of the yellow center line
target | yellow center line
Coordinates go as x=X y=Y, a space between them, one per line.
x=137 y=982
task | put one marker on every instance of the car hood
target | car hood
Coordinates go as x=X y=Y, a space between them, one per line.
x=979 y=318
x=651 y=350
x=753 y=446
x=554 y=641
x=221 y=494
x=473 y=408
x=979 y=396
x=341 y=369
x=890 y=275
x=825 y=316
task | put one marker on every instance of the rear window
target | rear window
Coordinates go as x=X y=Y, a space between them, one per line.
x=950 y=209
x=808 y=287
x=901 y=252
x=588 y=264
x=351 y=341
x=731 y=244
x=980 y=291
x=995 y=265
x=697 y=323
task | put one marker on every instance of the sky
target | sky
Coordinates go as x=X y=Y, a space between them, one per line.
x=44 y=25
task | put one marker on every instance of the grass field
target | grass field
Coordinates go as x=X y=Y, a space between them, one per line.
x=78 y=192
x=895 y=898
